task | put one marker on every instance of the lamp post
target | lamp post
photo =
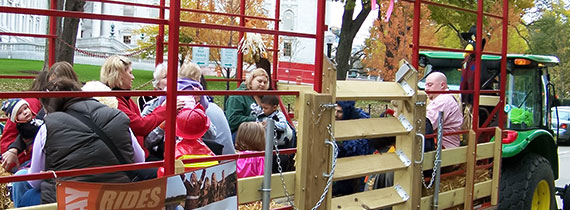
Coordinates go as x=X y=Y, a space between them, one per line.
x=112 y=30
x=329 y=40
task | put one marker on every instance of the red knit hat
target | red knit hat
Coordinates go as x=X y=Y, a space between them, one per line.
x=192 y=123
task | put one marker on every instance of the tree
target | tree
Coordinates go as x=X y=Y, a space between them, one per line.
x=208 y=36
x=348 y=31
x=391 y=41
x=549 y=36
x=67 y=32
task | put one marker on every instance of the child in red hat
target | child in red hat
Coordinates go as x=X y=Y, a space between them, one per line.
x=191 y=124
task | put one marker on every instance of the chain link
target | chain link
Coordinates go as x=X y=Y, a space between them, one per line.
x=434 y=170
x=316 y=121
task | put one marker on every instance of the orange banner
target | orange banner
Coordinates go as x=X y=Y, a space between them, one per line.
x=94 y=196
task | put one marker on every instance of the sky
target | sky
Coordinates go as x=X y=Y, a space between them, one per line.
x=334 y=13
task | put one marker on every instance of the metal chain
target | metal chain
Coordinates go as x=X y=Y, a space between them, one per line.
x=280 y=169
x=330 y=178
x=331 y=174
x=434 y=170
x=319 y=115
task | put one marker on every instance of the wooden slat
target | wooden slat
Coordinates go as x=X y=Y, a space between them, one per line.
x=486 y=100
x=368 y=128
x=470 y=170
x=248 y=188
x=300 y=88
x=367 y=90
x=456 y=155
x=51 y=206
x=358 y=166
x=374 y=199
x=496 y=167
x=455 y=197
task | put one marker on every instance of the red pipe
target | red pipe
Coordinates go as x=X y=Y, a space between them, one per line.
x=172 y=75
x=127 y=167
x=239 y=69
x=478 y=50
x=59 y=94
x=416 y=34
x=319 y=48
x=160 y=38
x=129 y=3
x=46 y=12
x=215 y=46
x=27 y=35
x=276 y=45
x=226 y=14
x=52 y=34
x=237 y=156
x=490 y=117
x=455 y=8
x=223 y=80
x=503 y=78
x=16 y=77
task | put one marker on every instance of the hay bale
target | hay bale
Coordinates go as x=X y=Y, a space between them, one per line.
x=5 y=201
x=258 y=206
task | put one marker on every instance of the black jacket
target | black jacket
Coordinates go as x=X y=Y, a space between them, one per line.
x=70 y=144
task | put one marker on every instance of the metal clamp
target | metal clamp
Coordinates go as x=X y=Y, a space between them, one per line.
x=401 y=192
x=407 y=125
x=423 y=148
x=332 y=146
x=405 y=160
x=328 y=106
x=407 y=88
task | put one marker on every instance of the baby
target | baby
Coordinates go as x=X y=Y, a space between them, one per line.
x=27 y=123
x=270 y=107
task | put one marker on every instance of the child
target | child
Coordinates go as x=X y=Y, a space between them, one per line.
x=191 y=124
x=250 y=137
x=28 y=124
x=270 y=106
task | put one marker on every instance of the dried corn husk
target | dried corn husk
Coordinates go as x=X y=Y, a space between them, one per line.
x=5 y=202
x=258 y=206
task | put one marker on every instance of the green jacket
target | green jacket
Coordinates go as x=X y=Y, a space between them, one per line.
x=241 y=109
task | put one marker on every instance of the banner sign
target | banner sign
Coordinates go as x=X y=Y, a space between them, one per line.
x=201 y=55
x=212 y=188
x=229 y=57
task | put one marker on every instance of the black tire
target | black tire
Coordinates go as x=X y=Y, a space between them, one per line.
x=520 y=178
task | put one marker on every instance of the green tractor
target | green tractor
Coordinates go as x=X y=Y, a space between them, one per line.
x=530 y=152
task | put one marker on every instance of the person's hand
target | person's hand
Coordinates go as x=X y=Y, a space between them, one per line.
x=180 y=104
x=10 y=159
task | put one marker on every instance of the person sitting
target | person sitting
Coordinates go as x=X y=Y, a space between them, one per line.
x=250 y=138
x=223 y=134
x=452 y=115
x=242 y=108
x=191 y=124
x=270 y=107
x=117 y=73
x=72 y=123
x=28 y=124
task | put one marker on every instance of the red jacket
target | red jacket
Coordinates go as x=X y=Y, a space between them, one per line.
x=141 y=126
x=10 y=132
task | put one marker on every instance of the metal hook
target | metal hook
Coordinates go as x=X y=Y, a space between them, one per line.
x=332 y=146
x=423 y=148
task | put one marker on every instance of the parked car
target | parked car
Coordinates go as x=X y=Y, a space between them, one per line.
x=562 y=123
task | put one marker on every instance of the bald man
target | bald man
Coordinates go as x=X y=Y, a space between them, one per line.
x=452 y=116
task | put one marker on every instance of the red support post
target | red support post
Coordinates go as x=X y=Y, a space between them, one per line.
x=239 y=68
x=172 y=92
x=319 y=46
x=503 y=77
x=416 y=34
x=160 y=38
x=52 y=32
x=477 y=79
x=276 y=44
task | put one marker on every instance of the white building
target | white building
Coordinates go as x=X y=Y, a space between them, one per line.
x=20 y=23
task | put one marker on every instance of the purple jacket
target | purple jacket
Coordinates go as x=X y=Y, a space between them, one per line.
x=189 y=84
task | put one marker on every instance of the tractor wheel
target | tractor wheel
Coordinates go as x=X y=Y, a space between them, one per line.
x=527 y=183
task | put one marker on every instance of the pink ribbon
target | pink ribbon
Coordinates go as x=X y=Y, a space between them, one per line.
x=389 y=12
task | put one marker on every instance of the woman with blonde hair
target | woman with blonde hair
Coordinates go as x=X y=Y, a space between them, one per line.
x=240 y=108
x=250 y=137
x=117 y=73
